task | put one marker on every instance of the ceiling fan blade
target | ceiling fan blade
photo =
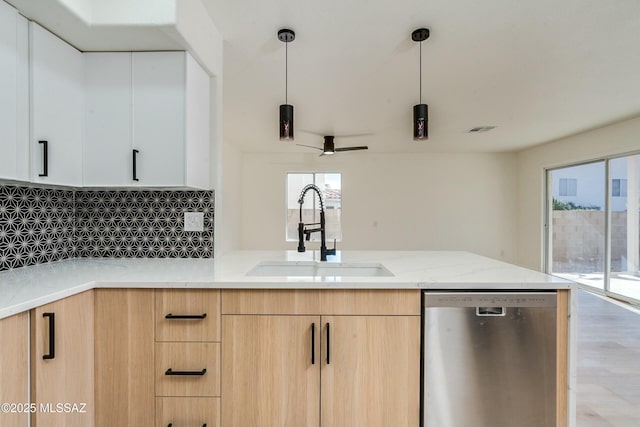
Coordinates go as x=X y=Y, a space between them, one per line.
x=313 y=132
x=309 y=146
x=361 y=147
x=339 y=135
x=355 y=135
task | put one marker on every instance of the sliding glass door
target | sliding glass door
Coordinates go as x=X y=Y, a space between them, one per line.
x=625 y=226
x=577 y=223
x=593 y=233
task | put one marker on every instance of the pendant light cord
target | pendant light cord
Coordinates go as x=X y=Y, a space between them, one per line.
x=286 y=72
x=420 y=72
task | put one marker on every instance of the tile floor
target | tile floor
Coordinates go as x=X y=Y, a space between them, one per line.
x=608 y=373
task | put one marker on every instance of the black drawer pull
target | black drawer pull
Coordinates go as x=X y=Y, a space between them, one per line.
x=172 y=372
x=328 y=342
x=52 y=336
x=135 y=165
x=185 y=316
x=171 y=425
x=313 y=343
x=45 y=158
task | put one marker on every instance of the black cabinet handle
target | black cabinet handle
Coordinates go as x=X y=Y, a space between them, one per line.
x=171 y=425
x=45 y=158
x=185 y=316
x=172 y=372
x=328 y=341
x=52 y=335
x=313 y=343
x=135 y=165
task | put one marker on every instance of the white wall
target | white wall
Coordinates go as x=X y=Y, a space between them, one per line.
x=616 y=139
x=393 y=201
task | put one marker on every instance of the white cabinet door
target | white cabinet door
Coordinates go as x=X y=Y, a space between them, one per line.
x=56 y=109
x=197 y=125
x=153 y=103
x=14 y=107
x=108 y=114
x=159 y=117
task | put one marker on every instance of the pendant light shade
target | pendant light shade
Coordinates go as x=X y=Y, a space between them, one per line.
x=420 y=111
x=286 y=111
x=420 y=121
x=286 y=122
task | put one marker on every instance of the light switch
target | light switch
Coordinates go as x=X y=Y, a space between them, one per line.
x=193 y=221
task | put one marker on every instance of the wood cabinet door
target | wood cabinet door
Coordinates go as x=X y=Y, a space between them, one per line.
x=67 y=377
x=270 y=371
x=14 y=368
x=124 y=361
x=370 y=371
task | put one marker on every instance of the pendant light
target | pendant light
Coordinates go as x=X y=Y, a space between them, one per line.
x=286 y=111
x=420 y=111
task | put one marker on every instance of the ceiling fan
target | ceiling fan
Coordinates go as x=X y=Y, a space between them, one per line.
x=329 y=148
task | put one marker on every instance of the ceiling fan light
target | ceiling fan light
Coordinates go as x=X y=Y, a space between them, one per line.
x=328 y=147
x=286 y=122
x=420 y=122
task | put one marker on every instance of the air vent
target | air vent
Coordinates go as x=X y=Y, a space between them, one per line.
x=481 y=129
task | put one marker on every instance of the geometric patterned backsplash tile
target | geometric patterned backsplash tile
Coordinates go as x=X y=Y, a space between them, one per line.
x=142 y=224
x=39 y=225
x=36 y=226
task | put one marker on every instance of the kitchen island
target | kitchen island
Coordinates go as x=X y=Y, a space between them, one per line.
x=324 y=364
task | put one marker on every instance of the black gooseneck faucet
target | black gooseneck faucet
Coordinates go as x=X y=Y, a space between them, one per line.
x=305 y=233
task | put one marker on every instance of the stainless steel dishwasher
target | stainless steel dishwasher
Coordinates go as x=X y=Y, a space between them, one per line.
x=489 y=359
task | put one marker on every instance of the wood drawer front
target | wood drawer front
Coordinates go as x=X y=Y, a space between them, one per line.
x=189 y=357
x=187 y=302
x=371 y=302
x=268 y=301
x=309 y=302
x=187 y=411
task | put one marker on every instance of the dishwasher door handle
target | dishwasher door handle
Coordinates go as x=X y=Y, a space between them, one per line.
x=491 y=311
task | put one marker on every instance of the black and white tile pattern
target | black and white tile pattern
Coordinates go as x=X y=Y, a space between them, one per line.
x=36 y=226
x=142 y=224
x=39 y=225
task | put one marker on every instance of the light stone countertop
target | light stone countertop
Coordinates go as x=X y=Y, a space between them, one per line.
x=26 y=288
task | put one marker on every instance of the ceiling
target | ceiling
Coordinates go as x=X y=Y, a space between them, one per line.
x=537 y=70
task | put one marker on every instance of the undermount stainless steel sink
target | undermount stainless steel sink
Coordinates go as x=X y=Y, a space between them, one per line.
x=322 y=269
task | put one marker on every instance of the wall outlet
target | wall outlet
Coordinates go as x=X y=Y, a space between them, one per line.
x=193 y=221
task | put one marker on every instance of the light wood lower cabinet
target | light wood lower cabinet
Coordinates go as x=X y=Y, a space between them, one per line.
x=188 y=369
x=187 y=411
x=371 y=371
x=62 y=362
x=270 y=376
x=322 y=370
x=14 y=369
x=187 y=357
x=124 y=361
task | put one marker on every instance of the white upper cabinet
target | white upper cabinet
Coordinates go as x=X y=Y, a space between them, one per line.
x=57 y=95
x=108 y=114
x=170 y=120
x=14 y=90
x=147 y=120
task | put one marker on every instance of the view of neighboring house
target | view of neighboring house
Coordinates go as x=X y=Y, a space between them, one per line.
x=583 y=185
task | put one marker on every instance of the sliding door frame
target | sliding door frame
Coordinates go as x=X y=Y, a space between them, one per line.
x=548 y=225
